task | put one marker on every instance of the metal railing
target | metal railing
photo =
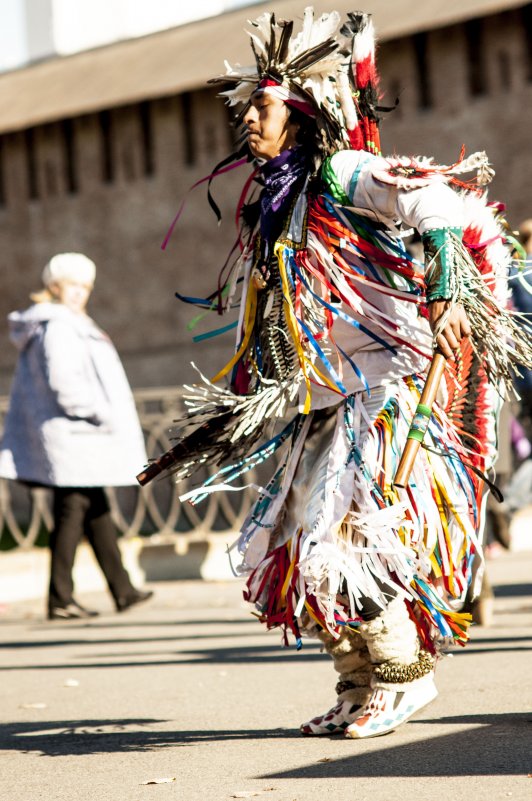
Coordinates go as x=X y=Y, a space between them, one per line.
x=25 y=515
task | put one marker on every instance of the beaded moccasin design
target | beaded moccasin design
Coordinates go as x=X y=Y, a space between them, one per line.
x=387 y=709
x=335 y=721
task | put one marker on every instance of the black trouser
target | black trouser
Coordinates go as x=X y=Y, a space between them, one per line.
x=367 y=608
x=78 y=511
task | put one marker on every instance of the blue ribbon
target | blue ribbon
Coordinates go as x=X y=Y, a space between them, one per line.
x=339 y=313
x=215 y=332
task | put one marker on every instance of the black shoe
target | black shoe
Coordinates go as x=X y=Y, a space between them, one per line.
x=134 y=597
x=72 y=611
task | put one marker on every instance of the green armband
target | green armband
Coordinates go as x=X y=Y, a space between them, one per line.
x=440 y=262
x=420 y=423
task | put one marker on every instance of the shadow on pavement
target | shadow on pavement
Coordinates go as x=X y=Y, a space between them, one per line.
x=81 y=737
x=206 y=653
x=512 y=590
x=498 y=745
x=495 y=745
x=502 y=640
x=132 y=622
x=241 y=655
x=18 y=644
x=472 y=651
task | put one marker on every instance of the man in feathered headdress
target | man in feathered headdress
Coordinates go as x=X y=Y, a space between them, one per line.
x=337 y=328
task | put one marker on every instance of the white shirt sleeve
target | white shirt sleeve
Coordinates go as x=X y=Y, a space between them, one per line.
x=435 y=205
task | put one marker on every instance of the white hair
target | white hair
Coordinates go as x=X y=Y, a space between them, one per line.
x=69 y=267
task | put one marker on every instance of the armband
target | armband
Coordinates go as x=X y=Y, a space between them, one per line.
x=440 y=262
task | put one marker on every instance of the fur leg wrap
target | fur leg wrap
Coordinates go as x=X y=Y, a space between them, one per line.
x=352 y=661
x=392 y=636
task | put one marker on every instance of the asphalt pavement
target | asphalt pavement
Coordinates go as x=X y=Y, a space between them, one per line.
x=188 y=691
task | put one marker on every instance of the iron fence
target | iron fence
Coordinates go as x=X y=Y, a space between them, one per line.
x=25 y=514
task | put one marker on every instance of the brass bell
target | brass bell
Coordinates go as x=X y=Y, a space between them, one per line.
x=258 y=279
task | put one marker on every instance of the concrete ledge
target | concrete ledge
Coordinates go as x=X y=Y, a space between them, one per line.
x=521 y=530
x=178 y=556
x=25 y=574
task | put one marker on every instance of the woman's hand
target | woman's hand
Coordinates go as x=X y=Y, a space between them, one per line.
x=456 y=328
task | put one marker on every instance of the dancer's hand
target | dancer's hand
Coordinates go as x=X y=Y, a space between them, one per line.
x=456 y=328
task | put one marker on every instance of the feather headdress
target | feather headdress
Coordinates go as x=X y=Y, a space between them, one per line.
x=326 y=70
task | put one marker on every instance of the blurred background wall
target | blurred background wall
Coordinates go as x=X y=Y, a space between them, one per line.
x=106 y=121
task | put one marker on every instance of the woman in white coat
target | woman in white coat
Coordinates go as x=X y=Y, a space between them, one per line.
x=72 y=426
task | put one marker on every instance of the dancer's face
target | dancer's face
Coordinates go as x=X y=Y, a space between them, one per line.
x=268 y=125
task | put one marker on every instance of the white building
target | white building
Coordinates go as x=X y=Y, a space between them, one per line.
x=31 y=30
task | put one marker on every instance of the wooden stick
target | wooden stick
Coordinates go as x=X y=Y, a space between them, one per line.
x=190 y=446
x=158 y=466
x=420 y=421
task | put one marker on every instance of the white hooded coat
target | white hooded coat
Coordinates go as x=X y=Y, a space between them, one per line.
x=72 y=420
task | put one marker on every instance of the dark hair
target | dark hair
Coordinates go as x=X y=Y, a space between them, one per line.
x=307 y=133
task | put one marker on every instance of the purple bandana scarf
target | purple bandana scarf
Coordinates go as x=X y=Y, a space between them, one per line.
x=281 y=177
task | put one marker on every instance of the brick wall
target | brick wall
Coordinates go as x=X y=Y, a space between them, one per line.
x=476 y=91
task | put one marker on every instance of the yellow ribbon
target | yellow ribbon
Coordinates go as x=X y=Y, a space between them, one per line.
x=293 y=327
x=249 y=320
x=289 y=573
